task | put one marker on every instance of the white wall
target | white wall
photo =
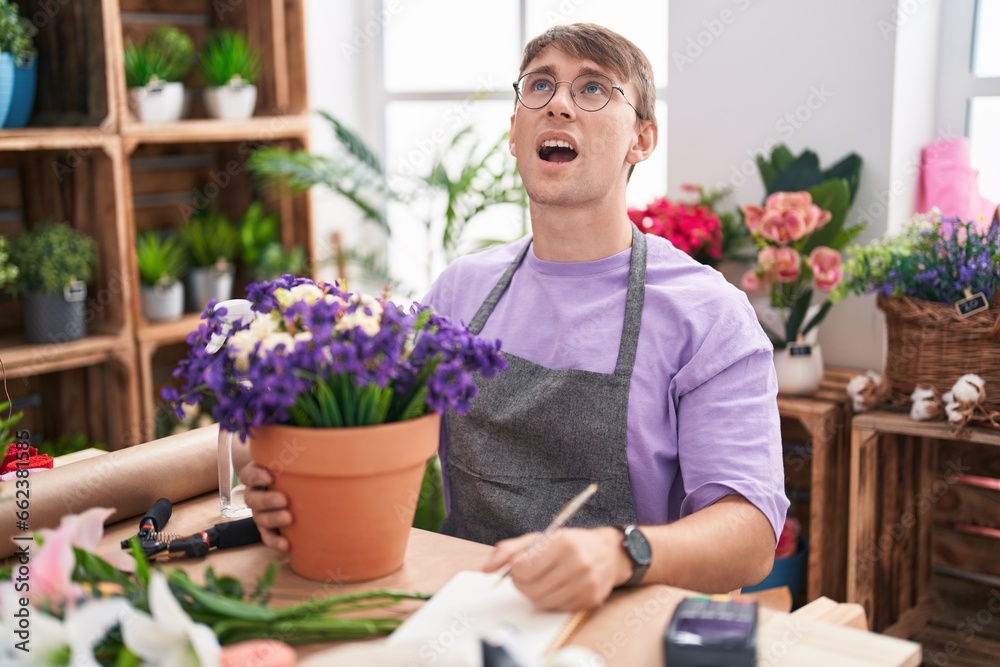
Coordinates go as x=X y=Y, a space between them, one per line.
x=747 y=74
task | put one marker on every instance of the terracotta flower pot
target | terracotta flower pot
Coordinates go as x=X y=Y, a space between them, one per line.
x=352 y=491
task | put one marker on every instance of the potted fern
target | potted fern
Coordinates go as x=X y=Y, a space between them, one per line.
x=161 y=263
x=211 y=242
x=18 y=68
x=154 y=73
x=229 y=66
x=54 y=263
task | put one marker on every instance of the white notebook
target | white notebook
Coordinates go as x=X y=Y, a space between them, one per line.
x=470 y=606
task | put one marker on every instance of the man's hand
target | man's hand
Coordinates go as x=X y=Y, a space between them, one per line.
x=270 y=508
x=573 y=569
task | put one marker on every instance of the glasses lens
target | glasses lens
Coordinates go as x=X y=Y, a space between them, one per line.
x=592 y=91
x=536 y=89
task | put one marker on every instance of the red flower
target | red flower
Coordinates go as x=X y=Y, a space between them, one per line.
x=695 y=230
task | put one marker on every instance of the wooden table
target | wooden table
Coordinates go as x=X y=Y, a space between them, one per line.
x=893 y=488
x=627 y=630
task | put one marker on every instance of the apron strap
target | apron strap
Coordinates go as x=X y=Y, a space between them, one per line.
x=633 y=305
x=633 y=301
x=485 y=310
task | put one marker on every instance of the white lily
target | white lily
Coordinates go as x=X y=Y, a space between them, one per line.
x=86 y=626
x=169 y=637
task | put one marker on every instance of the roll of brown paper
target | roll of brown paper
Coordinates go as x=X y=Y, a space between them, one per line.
x=130 y=480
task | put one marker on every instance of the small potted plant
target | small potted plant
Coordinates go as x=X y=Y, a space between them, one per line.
x=212 y=243
x=260 y=246
x=54 y=263
x=161 y=260
x=18 y=70
x=229 y=66
x=155 y=71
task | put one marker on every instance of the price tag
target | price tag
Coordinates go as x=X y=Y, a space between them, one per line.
x=972 y=304
x=800 y=350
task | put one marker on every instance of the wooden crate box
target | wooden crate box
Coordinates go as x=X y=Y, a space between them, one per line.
x=274 y=29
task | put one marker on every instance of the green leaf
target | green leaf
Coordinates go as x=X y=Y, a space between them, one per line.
x=797 y=315
x=767 y=172
x=830 y=196
x=141 y=563
x=776 y=340
x=354 y=144
x=430 y=512
x=332 y=416
x=818 y=317
x=781 y=157
x=849 y=169
x=801 y=174
x=262 y=593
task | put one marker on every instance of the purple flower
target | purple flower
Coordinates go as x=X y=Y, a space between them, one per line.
x=319 y=357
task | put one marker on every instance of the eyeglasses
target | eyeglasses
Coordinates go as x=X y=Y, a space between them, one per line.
x=590 y=92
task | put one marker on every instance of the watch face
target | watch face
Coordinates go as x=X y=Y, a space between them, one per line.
x=639 y=547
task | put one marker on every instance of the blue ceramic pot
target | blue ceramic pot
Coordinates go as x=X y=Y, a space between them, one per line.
x=6 y=85
x=23 y=98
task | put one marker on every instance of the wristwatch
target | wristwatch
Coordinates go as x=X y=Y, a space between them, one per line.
x=639 y=552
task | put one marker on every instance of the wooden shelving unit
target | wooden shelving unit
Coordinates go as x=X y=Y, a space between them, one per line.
x=86 y=160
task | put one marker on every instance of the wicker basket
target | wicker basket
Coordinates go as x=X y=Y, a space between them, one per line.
x=931 y=343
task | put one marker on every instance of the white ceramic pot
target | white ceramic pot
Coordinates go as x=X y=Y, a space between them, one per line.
x=158 y=102
x=799 y=368
x=773 y=318
x=160 y=304
x=232 y=102
x=207 y=284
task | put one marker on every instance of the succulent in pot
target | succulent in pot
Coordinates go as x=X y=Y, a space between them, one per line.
x=261 y=251
x=229 y=65
x=54 y=263
x=161 y=260
x=212 y=243
x=154 y=73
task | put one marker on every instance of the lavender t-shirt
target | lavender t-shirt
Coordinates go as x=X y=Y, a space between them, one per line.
x=702 y=418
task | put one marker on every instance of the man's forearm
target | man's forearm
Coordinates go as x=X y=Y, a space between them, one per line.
x=718 y=549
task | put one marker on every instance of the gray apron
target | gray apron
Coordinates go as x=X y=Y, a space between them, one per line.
x=536 y=436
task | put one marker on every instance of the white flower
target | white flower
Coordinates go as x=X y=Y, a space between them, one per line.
x=926 y=403
x=867 y=390
x=367 y=316
x=169 y=637
x=242 y=343
x=276 y=339
x=306 y=293
x=958 y=413
x=53 y=641
x=969 y=389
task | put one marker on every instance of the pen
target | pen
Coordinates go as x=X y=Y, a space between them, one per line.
x=560 y=519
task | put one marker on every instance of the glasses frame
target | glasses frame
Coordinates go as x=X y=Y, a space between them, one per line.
x=555 y=87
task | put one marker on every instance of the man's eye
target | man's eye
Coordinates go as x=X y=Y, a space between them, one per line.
x=540 y=85
x=593 y=88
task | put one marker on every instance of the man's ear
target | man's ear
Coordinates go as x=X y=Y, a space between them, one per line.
x=510 y=137
x=645 y=141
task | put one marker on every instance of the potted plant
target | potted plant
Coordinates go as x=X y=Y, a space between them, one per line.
x=154 y=73
x=260 y=246
x=211 y=242
x=938 y=284
x=799 y=233
x=340 y=395
x=54 y=263
x=18 y=68
x=161 y=260
x=692 y=228
x=229 y=66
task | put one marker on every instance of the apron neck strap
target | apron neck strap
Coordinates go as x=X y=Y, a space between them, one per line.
x=633 y=301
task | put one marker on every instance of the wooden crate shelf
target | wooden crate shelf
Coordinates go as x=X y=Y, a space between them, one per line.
x=85 y=160
x=923 y=502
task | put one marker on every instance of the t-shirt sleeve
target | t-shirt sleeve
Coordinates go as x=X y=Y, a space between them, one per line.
x=729 y=439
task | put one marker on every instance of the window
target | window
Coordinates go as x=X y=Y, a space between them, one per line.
x=969 y=84
x=445 y=65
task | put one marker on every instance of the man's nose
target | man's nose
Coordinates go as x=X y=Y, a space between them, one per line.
x=562 y=101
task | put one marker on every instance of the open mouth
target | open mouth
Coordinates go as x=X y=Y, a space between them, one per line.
x=553 y=150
